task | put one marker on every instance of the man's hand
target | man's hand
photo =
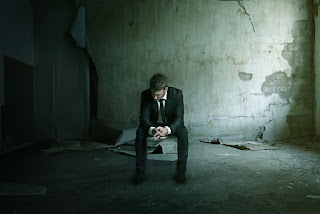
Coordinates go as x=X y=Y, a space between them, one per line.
x=160 y=132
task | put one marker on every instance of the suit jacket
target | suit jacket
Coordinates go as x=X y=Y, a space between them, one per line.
x=174 y=109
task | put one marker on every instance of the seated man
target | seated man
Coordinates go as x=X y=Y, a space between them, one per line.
x=161 y=114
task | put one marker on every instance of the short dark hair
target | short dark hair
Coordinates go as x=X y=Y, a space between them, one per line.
x=158 y=82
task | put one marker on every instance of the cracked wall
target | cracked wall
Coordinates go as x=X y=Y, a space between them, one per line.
x=242 y=65
x=298 y=88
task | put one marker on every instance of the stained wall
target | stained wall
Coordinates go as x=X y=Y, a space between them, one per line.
x=246 y=68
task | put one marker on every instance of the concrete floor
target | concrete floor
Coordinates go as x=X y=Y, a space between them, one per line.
x=221 y=179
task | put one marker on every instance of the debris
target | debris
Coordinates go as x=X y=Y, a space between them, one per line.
x=259 y=136
x=241 y=147
x=214 y=141
x=246 y=145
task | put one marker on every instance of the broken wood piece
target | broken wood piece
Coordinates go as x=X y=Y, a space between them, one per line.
x=242 y=147
x=214 y=141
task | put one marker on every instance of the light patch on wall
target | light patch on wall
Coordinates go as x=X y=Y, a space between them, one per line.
x=174 y=6
x=78 y=30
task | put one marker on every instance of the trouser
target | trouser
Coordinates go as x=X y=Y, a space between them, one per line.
x=141 y=148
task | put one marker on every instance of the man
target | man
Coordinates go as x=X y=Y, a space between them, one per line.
x=161 y=114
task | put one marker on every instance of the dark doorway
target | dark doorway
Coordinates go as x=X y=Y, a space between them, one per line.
x=18 y=112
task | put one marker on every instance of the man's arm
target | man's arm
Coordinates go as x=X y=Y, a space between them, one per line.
x=178 y=115
x=145 y=113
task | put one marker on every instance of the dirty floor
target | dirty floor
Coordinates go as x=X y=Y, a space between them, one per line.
x=283 y=177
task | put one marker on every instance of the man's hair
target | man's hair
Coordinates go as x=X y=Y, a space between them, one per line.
x=158 y=82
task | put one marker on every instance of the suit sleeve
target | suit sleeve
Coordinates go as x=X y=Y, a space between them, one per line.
x=145 y=121
x=178 y=115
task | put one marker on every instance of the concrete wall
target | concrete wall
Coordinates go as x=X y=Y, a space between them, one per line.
x=61 y=73
x=317 y=67
x=16 y=37
x=245 y=67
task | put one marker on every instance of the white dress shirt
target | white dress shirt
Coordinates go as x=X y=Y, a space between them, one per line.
x=159 y=117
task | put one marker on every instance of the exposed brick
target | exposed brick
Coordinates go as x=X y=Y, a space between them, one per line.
x=295 y=32
x=290 y=47
x=308 y=54
x=297 y=46
x=281 y=89
x=308 y=46
x=295 y=54
x=302 y=61
x=300 y=39
x=290 y=83
x=279 y=82
x=299 y=24
x=306 y=32
x=297 y=88
x=287 y=54
x=268 y=89
x=309 y=25
x=301 y=54
x=299 y=82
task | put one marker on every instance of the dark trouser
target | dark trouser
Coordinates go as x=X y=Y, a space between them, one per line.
x=141 y=148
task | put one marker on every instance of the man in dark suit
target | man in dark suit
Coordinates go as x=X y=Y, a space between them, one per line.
x=161 y=114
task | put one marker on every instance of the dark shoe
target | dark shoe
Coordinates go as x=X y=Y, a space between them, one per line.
x=139 y=178
x=181 y=177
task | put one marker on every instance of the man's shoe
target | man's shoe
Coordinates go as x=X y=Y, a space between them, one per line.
x=181 y=177
x=139 y=178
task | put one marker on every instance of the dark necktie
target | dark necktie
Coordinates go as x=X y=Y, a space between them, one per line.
x=163 y=116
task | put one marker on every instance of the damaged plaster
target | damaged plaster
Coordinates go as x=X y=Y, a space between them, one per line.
x=278 y=83
x=252 y=42
x=245 y=76
x=297 y=89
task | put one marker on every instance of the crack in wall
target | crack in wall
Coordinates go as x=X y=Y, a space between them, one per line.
x=213 y=118
x=250 y=18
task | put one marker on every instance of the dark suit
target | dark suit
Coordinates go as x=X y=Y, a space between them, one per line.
x=174 y=110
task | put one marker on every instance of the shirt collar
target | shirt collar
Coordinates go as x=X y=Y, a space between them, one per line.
x=165 y=96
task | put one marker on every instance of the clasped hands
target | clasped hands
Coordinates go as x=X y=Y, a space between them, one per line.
x=159 y=133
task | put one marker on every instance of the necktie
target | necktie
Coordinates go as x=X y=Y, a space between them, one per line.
x=163 y=116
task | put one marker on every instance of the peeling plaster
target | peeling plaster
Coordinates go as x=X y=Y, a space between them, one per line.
x=245 y=76
x=278 y=83
x=295 y=118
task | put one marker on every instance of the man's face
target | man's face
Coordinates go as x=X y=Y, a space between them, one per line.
x=157 y=95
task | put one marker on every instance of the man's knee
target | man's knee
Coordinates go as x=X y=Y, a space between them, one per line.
x=141 y=133
x=182 y=131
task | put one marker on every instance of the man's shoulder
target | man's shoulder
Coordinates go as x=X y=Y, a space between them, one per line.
x=146 y=92
x=174 y=91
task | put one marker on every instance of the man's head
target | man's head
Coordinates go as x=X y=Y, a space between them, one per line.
x=158 y=86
